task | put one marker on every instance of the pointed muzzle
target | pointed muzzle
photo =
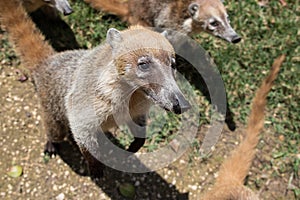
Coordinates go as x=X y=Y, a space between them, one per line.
x=63 y=6
x=230 y=35
x=180 y=104
x=236 y=39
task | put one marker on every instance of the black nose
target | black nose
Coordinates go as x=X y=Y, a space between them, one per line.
x=236 y=39
x=68 y=11
x=181 y=105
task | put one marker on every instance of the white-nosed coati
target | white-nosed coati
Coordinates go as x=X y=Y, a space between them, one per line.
x=80 y=90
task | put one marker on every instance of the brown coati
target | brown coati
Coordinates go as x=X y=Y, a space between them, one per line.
x=81 y=90
x=230 y=181
x=187 y=16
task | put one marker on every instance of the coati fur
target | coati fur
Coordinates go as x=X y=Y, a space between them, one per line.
x=229 y=183
x=81 y=90
x=187 y=16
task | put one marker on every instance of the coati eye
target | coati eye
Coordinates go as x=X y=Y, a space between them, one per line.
x=173 y=63
x=143 y=66
x=214 y=23
x=144 y=63
x=193 y=8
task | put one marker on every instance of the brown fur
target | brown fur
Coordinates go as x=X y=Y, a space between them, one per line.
x=136 y=12
x=229 y=184
x=133 y=56
x=30 y=43
x=117 y=7
x=33 y=5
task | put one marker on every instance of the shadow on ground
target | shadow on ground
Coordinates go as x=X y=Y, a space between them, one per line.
x=71 y=155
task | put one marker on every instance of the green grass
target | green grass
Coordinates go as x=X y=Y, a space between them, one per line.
x=90 y=25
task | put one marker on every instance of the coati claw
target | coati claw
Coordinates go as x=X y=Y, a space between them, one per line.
x=50 y=149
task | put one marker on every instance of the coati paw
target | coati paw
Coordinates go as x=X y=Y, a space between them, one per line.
x=50 y=149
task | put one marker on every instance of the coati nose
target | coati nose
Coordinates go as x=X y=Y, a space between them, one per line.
x=180 y=105
x=67 y=11
x=236 y=39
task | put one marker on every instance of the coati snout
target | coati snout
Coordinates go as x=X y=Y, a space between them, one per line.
x=180 y=104
x=62 y=5
x=154 y=75
x=170 y=99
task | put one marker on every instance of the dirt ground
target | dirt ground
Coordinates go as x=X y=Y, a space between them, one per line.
x=64 y=176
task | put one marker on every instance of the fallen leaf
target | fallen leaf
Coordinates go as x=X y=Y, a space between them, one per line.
x=15 y=171
x=127 y=190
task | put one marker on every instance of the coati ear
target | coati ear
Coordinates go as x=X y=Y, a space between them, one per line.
x=113 y=37
x=193 y=8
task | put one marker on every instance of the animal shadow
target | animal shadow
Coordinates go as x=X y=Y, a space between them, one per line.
x=199 y=69
x=148 y=185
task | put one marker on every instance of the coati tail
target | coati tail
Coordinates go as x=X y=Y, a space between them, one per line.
x=117 y=7
x=234 y=170
x=30 y=43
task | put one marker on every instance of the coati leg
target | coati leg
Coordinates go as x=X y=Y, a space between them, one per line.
x=56 y=132
x=138 y=129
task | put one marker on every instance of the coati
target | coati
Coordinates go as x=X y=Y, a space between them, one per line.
x=81 y=90
x=61 y=5
x=187 y=16
x=229 y=183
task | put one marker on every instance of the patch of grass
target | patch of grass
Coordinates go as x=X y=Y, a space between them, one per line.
x=267 y=33
x=90 y=25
